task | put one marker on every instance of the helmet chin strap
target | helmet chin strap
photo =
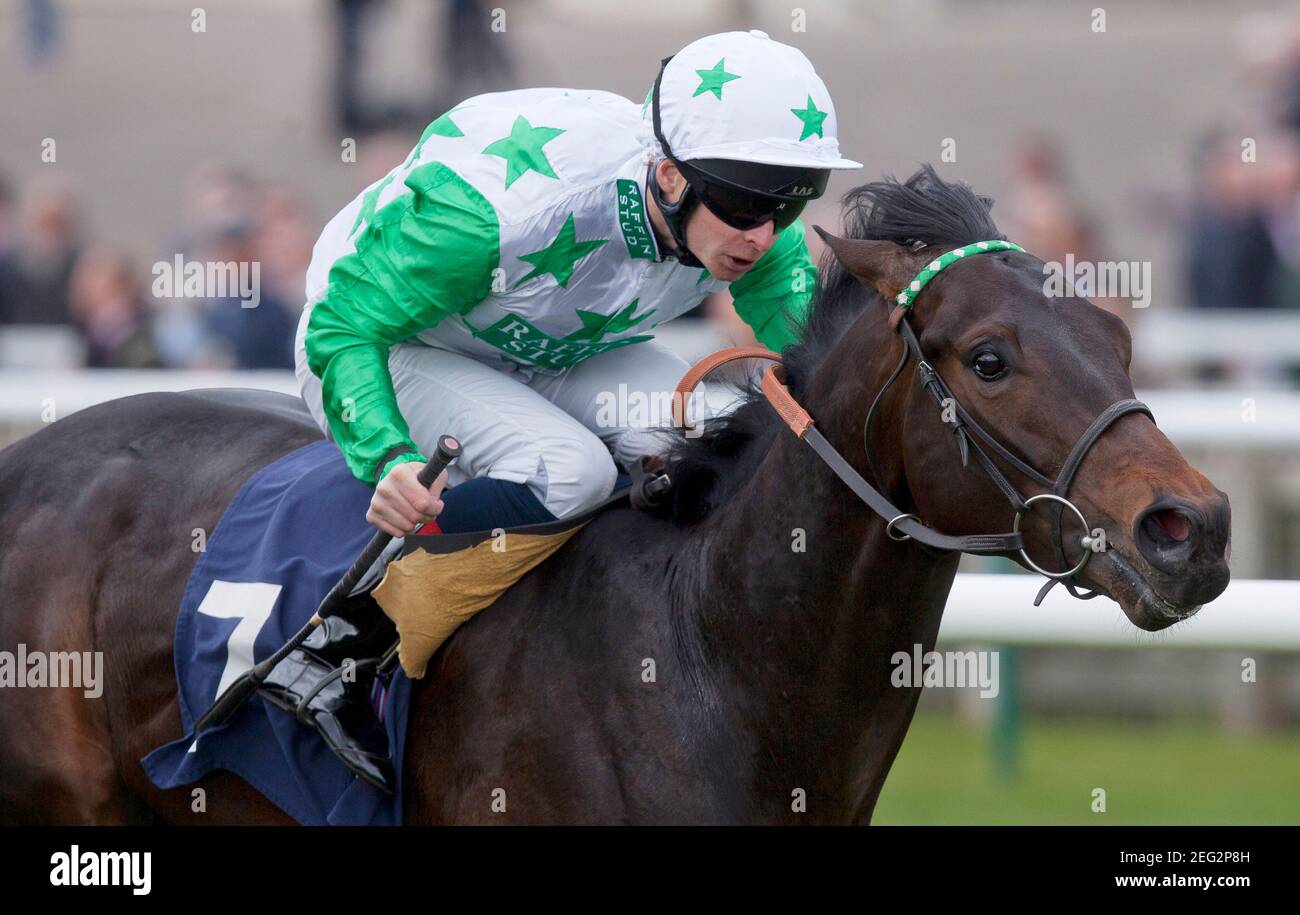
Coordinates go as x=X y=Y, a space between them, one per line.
x=675 y=216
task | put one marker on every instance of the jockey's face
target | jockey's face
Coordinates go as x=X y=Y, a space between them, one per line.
x=727 y=253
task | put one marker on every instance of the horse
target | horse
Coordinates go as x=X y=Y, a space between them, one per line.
x=725 y=658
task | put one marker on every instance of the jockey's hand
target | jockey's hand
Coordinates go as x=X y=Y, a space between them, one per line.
x=400 y=504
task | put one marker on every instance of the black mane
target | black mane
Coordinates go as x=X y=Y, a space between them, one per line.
x=924 y=210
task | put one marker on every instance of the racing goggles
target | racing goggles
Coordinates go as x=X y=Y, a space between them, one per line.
x=744 y=195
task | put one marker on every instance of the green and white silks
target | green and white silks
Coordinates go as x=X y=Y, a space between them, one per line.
x=515 y=233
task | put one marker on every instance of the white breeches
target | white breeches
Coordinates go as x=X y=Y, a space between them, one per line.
x=558 y=434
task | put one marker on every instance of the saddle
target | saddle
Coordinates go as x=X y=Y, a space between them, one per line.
x=404 y=609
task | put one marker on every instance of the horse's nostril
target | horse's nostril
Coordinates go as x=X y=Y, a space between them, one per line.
x=1174 y=523
x=1168 y=534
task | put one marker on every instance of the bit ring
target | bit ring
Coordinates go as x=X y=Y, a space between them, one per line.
x=1087 y=552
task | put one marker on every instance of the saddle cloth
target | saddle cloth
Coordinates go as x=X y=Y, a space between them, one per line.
x=290 y=533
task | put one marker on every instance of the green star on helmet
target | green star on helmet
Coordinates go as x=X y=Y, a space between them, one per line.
x=812 y=119
x=713 y=79
x=560 y=256
x=522 y=150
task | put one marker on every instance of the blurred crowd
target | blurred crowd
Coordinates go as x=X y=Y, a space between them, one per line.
x=51 y=273
x=1238 y=221
x=1243 y=231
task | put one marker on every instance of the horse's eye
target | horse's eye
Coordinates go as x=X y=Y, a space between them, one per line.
x=988 y=365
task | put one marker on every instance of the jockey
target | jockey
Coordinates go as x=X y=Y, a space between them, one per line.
x=512 y=270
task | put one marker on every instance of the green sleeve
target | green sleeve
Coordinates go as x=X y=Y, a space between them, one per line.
x=423 y=256
x=777 y=289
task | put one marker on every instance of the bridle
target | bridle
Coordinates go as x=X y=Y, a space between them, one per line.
x=970 y=435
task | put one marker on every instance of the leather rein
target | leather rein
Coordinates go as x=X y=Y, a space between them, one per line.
x=970 y=436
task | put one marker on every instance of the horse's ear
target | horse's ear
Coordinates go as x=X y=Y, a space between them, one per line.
x=882 y=265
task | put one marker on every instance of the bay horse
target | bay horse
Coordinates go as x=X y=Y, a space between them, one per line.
x=726 y=660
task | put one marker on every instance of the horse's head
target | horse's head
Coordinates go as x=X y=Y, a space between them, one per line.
x=1034 y=371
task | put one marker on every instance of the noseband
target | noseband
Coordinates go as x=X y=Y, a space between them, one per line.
x=970 y=436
